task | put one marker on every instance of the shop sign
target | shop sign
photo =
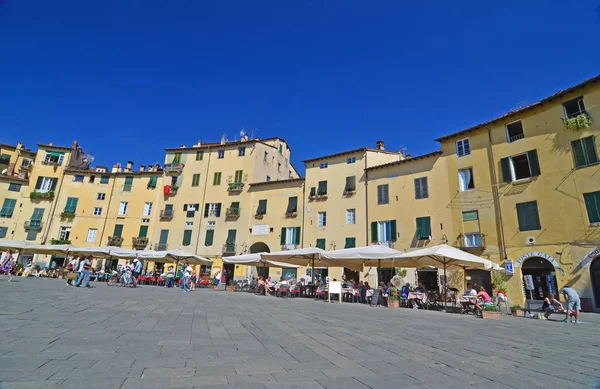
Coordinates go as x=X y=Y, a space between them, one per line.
x=508 y=265
x=539 y=254
x=260 y=229
x=591 y=255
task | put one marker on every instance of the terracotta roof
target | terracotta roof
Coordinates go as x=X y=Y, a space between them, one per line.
x=219 y=144
x=54 y=147
x=109 y=173
x=395 y=163
x=363 y=149
x=276 y=182
x=556 y=95
x=14 y=178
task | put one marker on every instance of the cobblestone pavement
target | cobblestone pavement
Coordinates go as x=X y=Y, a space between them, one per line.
x=56 y=336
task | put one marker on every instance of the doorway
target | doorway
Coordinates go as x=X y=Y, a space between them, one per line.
x=539 y=279
x=386 y=274
x=289 y=273
x=228 y=269
x=350 y=275
x=480 y=278
x=429 y=278
x=595 y=276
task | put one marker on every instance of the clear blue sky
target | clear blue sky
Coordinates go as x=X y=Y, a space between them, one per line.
x=128 y=78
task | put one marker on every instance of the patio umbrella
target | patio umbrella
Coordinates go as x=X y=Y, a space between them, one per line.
x=48 y=249
x=179 y=255
x=15 y=245
x=256 y=260
x=98 y=252
x=371 y=256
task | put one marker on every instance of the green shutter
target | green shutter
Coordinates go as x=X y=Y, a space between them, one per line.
x=591 y=153
x=3 y=231
x=534 y=163
x=350 y=184
x=38 y=214
x=292 y=204
x=262 y=207
x=129 y=180
x=38 y=184
x=196 y=179
x=143 y=232
x=104 y=179
x=187 y=237
x=8 y=207
x=206 y=209
x=199 y=155
x=118 y=230
x=217 y=178
x=419 y=227
x=282 y=238
x=71 y=206
x=239 y=175
x=177 y=158
x=350 y=243
x=218 y=210
x=152 y=182
x=506 y=174
x=231 y=235
x=297 y=240
x=374 y=238
x=164 y=237
x=210 y=234
x=322 y=188
x=54 y=182
x=528 y=217
x=313 y=191
x=423 y=228
x=470 y=215
x=14 y=187
x=321 y=244
x=592 y=204
x=393 y=232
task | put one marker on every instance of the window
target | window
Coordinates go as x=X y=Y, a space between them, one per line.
x=97 y=211
x=92 y=179
x=45 y=184
x=574 y=107
x=14 y=187
x=350 y=185
x=101 y=196
x=152 y=182
x=268 y=179
x=163 y=239
x=3 y=232
x=128 y=184
x=212 y=210
x=147 y=209
x=350 y=243
x=262 y=207
x=421 y=189
x=463 y=147
x=470 y=215
x=266 y=156
x=71 y=206
x=5 y=159
x=54 y=158
x=118 y=231
x=320 y=244
x=514 y=131
x=241 y=151
x=520 y=166
x=31 y=235
x=592 y=204
x=290 y=236
x=423 y=228
x=145 y=220
x=123 y=208
x=220 y=154
x=210 y=234
x=217 y=178
x=78 y=178
x=167 y=212
x=280 y=149
x=8 y=208
x=36 y=219
x=383 y=194
x=211 y=225
x=323 y=165
x=465 y=179
x=191 y=209
x=292 y=205
x=64 y=233
x=104 y=179
x=189 y=224
x=199 y=155
x=278 y=167
x=196 y=179
x=322 y=189
x=322 y=221
x=584 y=152
x=528 y=216
x=238 y=176
x=187 y=237
x=91 y=236
x=350 y=216
x=143 y=232
x=383 y=232
x=351 y=160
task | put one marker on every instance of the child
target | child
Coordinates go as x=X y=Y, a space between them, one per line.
x=548 y=305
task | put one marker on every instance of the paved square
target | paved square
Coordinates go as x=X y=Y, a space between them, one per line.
x=56 y=336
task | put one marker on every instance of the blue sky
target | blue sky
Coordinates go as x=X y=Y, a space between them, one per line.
x=128 y=78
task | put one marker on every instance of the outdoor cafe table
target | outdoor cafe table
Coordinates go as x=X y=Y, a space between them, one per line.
x=420 y=296
x=466 y=301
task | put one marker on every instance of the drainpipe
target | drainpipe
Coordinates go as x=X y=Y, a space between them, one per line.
x=502 y=243
x=202 y=205
x=303 y=207
x=56 y=198
x=366 y=201
x=110 y=199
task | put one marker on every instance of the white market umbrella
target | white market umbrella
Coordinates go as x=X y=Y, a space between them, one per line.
x=256 y=260
x=371 y=256
x=98 y=252
x=14 y=245
x=180 y=255
x=48 y=249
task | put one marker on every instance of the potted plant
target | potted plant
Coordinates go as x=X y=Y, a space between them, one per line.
x=490 y=312
x=230 y=286
x=393 y=299
x=517 y=310
x=580 y=122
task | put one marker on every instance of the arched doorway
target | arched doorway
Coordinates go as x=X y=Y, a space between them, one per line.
x=595 y=276
x=539 y=278
x=260 y=247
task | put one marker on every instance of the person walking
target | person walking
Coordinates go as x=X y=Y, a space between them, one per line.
x=170 y=277
x=137 y=269
x=84 y=271
x=70 y=269
x=573 y=303
x=186 y=278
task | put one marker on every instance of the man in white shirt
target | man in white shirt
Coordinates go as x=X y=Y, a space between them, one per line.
x=84 y=271
x=187 y=273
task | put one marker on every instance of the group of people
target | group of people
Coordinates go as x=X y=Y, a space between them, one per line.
x=551 y=304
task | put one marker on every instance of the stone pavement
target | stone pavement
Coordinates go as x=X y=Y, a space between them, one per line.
x=56 y=336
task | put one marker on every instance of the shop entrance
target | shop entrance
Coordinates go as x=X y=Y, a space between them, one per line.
x=350 y=275
x=429 y=278
x=480 y=278
x=595 y=276
x=539 y=278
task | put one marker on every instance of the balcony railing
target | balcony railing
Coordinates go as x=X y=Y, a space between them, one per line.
x=232 y=213
x=115 y=241
x=471 y=241
x=139 y=243
x=290 y=214
x=174 y=167
x=236 y=187
x=33 y=225
x=67 y=215
x=38 y=196
x=127 y=188
x=288 y=246
x=27 y=165
x=166 y=214
x=516 y=137
x=229 y=248
x=60 y=241
x=386 y=243
x=51 y=163
x=160 y=246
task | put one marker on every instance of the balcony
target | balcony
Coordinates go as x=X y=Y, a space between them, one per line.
x=288 y=246
x=115 y=241
x=236 y=187
x=516 y=137
x=473 y=241
x=67 y=216
x=33 y=225
x=160 y=247
x=27 y=164
x=173 y=167
x=50 y=162
x=386 y=243
x=229 y=248
x=39 y=196
x=232 y=213
x=139 y=243
x=291 y=214
x=127 y=188
x=170 y=190
x=60 y=241
x=166 y=214
x=349 y=192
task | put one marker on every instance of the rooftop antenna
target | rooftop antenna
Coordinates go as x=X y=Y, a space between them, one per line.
x=253 y=129
x=242 y=132
x=520 y=105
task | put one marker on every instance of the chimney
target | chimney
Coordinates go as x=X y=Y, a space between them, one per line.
x=116 y=168
x=244 y=138
x=129 y=167
x=51 y=144
x=380 y=145
x=19 y=145
x=199 y=143
x=182 y=146
x=223 y=140
x=75 y=144
x=142 y=168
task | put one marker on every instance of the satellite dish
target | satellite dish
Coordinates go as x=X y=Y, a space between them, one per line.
x=4 y=171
